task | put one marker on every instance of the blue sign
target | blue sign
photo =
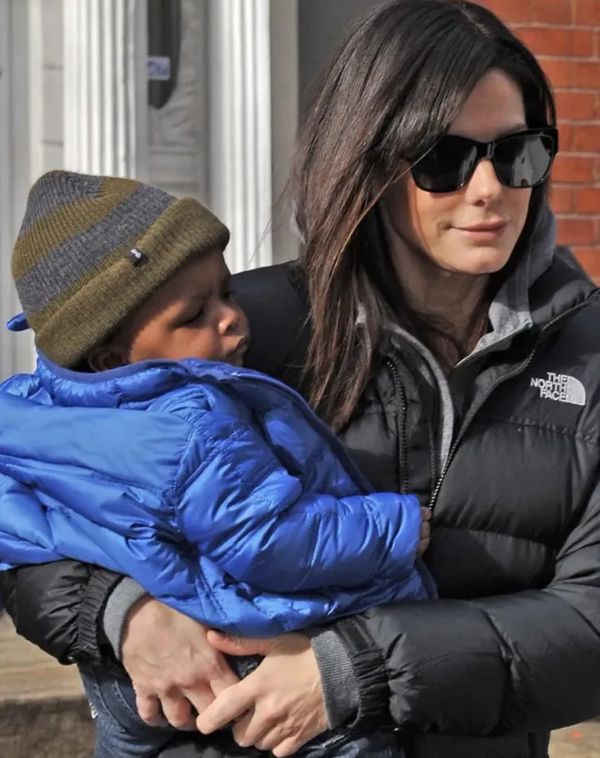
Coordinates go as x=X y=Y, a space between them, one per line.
x=159 y=68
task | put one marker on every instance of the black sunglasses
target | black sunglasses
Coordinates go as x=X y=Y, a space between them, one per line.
x=520 y=160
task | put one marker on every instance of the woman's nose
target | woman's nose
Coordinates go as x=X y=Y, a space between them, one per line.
x=484 y=186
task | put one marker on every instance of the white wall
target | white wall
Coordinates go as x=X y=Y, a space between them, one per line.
x=46 y=85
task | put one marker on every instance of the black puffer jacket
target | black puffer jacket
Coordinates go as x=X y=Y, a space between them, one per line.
x=512 y=648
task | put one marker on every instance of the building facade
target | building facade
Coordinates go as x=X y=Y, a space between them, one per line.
x=203 y=97
x=565 y=36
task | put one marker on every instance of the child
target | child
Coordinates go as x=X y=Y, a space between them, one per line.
x=142 y=445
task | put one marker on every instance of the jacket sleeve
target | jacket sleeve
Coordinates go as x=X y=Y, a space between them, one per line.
x=57 y=606
x=535 y=654
x=246 y=512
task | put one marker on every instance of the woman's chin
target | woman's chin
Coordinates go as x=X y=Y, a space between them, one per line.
x=476 y=260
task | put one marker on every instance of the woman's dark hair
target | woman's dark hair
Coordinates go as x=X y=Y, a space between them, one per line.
x=393 y=89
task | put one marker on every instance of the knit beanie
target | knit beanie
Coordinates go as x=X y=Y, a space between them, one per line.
x=91 y=249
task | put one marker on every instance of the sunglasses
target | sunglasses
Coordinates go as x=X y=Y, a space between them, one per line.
x=520 y=160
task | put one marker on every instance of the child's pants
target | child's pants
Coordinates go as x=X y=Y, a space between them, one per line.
x=121 y=733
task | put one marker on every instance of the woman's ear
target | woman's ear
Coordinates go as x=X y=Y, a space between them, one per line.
x=108 y=356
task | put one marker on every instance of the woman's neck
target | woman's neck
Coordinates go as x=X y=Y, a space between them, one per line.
x=456 y=302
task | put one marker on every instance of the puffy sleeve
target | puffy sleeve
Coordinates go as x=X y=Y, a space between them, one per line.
x=486 y=666
x=253 y=518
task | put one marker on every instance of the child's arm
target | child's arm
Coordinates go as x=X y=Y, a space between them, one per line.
x=25 y=535
x=249 y=515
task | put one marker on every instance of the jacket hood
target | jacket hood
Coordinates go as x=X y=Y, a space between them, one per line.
x=546 y=281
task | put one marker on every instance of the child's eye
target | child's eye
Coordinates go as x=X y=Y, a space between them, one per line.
x=196 y=317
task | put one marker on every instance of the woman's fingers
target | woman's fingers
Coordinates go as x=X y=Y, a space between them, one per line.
x=228 y=643
x=178 y=711
x=271 y=739
x=178 y=708
x=246 y=731
x=171 y=664
x=200 y=697
x=265 y=728
x=282 y=738
x=226 y=708
x=280 y=705
x=149 y=709
x=287 y=747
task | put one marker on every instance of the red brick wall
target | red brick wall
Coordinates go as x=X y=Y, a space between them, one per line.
x=565 y=36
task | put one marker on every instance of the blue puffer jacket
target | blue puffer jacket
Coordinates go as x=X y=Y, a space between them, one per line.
x=215 y=487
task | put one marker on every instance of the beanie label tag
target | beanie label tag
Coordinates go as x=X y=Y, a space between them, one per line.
x=137 y=257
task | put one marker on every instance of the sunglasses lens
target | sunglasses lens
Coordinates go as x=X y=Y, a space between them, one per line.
x=447 y=167
x=520 y=160
x=523 y=160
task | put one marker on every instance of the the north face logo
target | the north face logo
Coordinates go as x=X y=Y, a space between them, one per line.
x=560 y=387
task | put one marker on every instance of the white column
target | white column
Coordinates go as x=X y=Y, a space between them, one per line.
x=6 y=227
x=105 y=87
x=16 y=350
x=240 y=135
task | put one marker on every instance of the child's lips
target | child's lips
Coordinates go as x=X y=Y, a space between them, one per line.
x=240 y=348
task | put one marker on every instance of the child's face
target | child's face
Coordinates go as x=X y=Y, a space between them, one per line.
x=193 y=315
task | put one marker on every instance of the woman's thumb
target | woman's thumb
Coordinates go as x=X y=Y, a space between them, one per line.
x=233 y=645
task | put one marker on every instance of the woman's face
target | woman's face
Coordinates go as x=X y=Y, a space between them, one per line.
x=475 y=229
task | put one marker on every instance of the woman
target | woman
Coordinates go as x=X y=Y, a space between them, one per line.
x=457 y=353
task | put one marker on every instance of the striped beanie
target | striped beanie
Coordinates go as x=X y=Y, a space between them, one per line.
x=91 y=249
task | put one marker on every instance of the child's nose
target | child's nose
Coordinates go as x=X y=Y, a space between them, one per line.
x=230 y=319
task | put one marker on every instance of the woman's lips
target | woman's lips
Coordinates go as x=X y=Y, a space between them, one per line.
x=486 y=232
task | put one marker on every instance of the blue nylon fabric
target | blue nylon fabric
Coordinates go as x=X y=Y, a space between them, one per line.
x=215 y=487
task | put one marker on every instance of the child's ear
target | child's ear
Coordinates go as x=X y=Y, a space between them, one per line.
x=108 y=356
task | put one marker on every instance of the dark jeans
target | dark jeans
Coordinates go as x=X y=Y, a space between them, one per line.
x=121 y=733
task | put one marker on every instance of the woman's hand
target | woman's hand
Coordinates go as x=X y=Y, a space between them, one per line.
x=171 y=664
x=279 y=706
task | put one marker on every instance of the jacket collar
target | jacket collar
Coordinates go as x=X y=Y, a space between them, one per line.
x=510 y=311
x=546 y=282
x=134 y=385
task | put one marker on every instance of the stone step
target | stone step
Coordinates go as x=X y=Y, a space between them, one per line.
x=43 y=713
x=52 y=728
x=580 y=741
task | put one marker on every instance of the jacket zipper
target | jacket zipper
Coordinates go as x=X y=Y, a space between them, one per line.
x=402 y=455
x=519 y=370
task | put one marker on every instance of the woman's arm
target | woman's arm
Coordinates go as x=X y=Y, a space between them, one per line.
x=263 y=712
x=171 y=664
x=57 y=606
x=535 y=655
x=60 y=606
